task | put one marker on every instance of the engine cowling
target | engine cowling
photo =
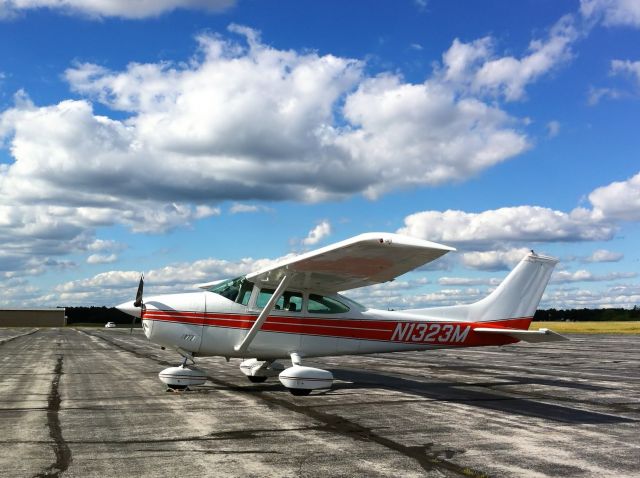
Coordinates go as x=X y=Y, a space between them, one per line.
x=304 y=378
x=182 y=377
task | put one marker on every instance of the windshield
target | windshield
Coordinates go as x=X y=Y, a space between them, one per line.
x=238 y=290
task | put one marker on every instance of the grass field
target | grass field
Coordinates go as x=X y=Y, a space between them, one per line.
x=632 y=327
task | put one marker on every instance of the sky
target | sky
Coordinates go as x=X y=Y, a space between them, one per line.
x=195 y=140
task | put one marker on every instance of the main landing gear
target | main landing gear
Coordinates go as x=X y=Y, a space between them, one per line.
x=298 y=379
x=181 y=377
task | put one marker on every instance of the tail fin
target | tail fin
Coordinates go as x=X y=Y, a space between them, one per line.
x=517 y=296
x=520 y=293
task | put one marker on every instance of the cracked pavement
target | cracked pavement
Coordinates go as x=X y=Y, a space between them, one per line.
x=88 y=402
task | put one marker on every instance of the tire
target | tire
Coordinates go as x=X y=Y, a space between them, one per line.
x=255 y=379
x=173 y=388
x=300 y=392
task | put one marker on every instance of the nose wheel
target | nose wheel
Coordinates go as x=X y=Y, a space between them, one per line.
x=182 y=377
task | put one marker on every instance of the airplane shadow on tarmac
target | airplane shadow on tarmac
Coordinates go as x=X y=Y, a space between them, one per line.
x=467 y=393
x=461 y=392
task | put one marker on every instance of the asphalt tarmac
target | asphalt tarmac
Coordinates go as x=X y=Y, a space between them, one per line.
x=88 y=402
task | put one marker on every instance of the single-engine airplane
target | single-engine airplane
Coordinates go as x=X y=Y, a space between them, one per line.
x=294 y=310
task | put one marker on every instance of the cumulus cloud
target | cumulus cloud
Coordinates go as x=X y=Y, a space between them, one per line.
x=276 y=126
x=493 y=260
x=603 y=255
x=410 y=296
x=492 y=240
x=102 y=258
x=238 y=121
x=626 y=296
x=421 y=134
x=619 y=68
x=318 y=233
x=116 y=286
x=129 y=9
x=442 y=298
x=612 y=12
x=597 y=94
x=467 y=281
x=243 y=121
x=496 y=228
x=476 y=66
x=619 y=200
x=239 y=208
x=627 y=68
x=510 y=224
x=583 y=275
x=101 y=245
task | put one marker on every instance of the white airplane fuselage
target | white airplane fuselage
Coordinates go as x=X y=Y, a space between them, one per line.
x=207 y=324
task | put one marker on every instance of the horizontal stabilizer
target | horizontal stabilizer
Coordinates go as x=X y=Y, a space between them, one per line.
x=541 y=335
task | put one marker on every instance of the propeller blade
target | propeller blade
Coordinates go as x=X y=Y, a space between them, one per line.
x=138 y=302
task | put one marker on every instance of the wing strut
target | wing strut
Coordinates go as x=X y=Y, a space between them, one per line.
x=242 y=347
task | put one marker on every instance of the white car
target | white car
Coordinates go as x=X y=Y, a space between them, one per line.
x=110 y=325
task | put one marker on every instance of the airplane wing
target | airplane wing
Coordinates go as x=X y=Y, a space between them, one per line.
x=363 y=260
x=540 y=335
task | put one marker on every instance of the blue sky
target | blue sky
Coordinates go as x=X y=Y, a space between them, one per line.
x=199 y=139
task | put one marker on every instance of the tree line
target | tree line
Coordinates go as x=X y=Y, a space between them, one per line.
x=587 y=315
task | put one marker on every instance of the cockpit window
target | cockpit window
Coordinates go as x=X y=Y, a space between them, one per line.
x=319 y=304
x=237 y=290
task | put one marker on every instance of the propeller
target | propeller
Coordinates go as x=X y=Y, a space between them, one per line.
x=138 y=302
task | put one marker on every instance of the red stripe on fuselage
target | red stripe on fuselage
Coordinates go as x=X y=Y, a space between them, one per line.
x=396 y=331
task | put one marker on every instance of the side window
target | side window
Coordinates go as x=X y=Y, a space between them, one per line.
x=319 y=304
x=263 y=298
x=289 y=300
x=292 y=301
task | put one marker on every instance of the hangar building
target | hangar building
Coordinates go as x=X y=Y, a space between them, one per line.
x=33 y=317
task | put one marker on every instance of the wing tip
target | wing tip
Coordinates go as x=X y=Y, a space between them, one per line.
x=401 y=239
